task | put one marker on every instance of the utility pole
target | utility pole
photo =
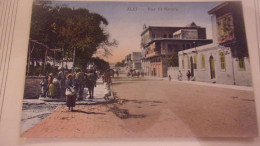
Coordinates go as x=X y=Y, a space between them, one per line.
x=62 y=60
x=74 y=52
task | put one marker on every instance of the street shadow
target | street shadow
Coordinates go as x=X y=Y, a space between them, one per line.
x=124 y=113
x=122 y=101
x=79 y=111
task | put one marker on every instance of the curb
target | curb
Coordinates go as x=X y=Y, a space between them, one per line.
x=209 y=84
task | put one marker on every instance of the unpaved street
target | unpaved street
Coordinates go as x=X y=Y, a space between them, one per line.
x=157 y=108
x=181 y=109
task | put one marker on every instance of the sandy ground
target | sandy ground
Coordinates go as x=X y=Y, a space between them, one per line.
x=156 y=108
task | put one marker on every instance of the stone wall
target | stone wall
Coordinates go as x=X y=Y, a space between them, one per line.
x=32 y=87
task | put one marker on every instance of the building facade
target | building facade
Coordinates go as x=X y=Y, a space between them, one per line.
x=159 y=44
x=226 y=60
x=133 y=61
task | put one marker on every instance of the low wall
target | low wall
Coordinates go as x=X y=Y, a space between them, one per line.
x=173 y=72
x=32 y=87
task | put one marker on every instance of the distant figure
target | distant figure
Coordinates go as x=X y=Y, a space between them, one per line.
x=142 y=73
x=188 y=74
x=117 y=73
x=170 y=78
x=52 y=89
x=50 y=79
x=56 y=91
x=107 y=82
x=44 y=84
x=138 y=74
x=61 y=79
x=90 y=82
x=79 y=78
x=180 y=76
x=107 y=77
x=70 y=92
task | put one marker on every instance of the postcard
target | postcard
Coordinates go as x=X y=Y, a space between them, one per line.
x=137 y=69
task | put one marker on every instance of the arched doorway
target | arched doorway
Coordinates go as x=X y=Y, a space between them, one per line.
x=154 y=71
x=191 y=67
x=212 y=67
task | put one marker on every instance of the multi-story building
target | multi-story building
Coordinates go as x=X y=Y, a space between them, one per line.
x=133 y=61
x=160 y=43
x=226 y=60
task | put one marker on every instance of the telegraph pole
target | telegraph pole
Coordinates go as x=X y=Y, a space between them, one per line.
x=74 y=52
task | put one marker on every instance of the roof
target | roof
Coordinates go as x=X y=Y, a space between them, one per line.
x=173 y=39
x=213 y=11
x=192 y=24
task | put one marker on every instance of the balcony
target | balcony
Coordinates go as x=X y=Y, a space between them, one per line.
x=152 y=54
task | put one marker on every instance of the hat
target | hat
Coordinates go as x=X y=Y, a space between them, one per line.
x=51 y=74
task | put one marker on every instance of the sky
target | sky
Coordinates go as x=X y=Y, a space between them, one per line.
x=126 y=19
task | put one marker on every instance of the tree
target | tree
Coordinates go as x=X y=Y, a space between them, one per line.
x=172 y=60
x=69 y=29
x=120 y=64
x=101 y=64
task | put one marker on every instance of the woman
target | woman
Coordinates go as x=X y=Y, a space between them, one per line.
x=70 y=92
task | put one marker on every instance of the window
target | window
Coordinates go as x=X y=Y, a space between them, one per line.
x=188 y=62
x=241 y=64
x=183 y=62
x=187 y=46
x=170 y=35
x=195 y=62
x=202 y=61
x=164 y=36
x=222 y=60
x=183 y=47
x=153 y=35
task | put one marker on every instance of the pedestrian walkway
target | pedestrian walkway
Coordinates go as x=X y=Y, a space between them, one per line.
x=100 y=92
x=45 y=106
x=236 y=87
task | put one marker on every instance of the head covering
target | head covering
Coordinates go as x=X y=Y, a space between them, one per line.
x=51 y=74
x=69 y=75
x=77 y=69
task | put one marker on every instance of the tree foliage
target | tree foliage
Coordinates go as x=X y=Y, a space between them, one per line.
x=101 y=65
x=173 y=60
x=120 y=64
x=69 y=29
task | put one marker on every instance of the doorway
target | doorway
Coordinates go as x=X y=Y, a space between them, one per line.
x=191 y=66
x=212 y=67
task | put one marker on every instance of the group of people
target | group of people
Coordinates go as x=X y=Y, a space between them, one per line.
x=179 y=77
x=70 y=85
x=133 y=73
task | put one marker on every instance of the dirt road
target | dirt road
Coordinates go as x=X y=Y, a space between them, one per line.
x=157 y=108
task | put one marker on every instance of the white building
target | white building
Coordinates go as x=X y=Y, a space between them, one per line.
x=226 y=60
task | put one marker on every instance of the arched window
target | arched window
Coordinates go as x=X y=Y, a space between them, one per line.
x=242 y=63
x=188 y=62
x=202 y=61
x=183 y=62
x=222 y=60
